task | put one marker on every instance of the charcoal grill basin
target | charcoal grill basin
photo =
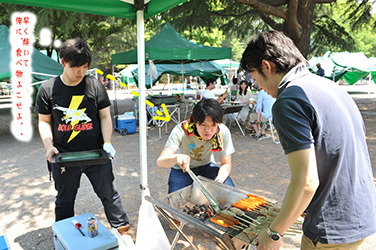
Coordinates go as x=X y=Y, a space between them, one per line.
x=224 y=194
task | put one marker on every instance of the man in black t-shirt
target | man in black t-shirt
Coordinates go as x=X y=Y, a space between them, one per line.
x=323 y=135
x=74 y=115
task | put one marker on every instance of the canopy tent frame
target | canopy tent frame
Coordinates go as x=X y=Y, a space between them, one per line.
x=133 y=9
x=170 y=47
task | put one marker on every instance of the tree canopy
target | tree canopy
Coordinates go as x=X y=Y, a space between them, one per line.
x=309 y=23
x=315 y=26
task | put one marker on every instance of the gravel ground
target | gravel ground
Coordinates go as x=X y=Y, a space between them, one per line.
x=27 y=194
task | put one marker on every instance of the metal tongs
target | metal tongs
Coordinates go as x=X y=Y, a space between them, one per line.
x=205 y=191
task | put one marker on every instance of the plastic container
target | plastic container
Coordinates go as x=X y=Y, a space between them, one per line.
x=125 y=124
x=3 y=242
x=66 y=236
x=158 y=100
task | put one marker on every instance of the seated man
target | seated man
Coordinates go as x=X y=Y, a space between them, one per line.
x=191 y=145
x=263 y=113
x=208 y=94
x=320 y=71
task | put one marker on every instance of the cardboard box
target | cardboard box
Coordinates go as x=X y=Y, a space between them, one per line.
x=67 y=237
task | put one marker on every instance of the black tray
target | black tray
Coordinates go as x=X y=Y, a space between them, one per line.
x=158 y=100
x=81 y=158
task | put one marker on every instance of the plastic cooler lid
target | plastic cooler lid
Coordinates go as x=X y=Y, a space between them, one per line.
x=71 y=237
x=126 y=117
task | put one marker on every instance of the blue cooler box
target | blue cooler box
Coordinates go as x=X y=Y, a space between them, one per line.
x=4 y=242
x=126 y=124
x=67 y=236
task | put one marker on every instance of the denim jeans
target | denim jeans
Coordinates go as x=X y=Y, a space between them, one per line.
x=178 y=179
x=101 y=178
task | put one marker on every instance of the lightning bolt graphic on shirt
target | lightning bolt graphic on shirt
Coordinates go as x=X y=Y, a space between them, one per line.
x=75 y=103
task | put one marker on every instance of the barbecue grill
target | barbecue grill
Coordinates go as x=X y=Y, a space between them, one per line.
x=172 y=204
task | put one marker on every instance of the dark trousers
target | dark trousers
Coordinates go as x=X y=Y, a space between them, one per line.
x=101 y=178
x=178 y=179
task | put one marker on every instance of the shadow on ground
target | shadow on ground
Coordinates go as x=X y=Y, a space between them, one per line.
x=42 y=239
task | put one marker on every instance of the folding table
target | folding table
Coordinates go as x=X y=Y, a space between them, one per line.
x=230 y=109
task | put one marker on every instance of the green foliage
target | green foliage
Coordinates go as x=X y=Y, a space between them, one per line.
x=327 y=34
x=357 y=19
x=235 y=22
x=237 y=49
x=343 y=26
x=365 y=41
x=233 y=19
x=201 y=35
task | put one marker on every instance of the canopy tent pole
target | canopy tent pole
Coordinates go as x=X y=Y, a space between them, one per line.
x=230 y=80
x=182 y=77
x=141 y=103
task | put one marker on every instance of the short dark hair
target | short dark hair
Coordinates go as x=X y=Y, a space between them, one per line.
x=272 y=46
x=207 y=107
x=209 y=81
x=76 y=52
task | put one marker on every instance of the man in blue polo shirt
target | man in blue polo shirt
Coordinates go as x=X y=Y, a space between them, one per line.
x=323 y=135
x=320 y=71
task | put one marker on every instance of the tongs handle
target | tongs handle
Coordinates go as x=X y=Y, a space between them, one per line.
x=205 y=191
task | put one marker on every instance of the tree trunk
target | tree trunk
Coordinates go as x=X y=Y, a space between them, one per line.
x=304 y=16
x=297 y=18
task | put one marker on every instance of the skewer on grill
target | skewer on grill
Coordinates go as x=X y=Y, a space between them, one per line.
x=237 y=229
x=241 y=213
x=239 y=218
x=233 y=215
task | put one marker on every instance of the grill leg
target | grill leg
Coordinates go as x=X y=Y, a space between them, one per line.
x=173 y=244
x=179 y=229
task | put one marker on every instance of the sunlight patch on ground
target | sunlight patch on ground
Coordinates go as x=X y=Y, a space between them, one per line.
x=9 y=175
x=135 y=174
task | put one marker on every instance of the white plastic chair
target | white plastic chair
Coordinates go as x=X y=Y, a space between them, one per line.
x=270 y=122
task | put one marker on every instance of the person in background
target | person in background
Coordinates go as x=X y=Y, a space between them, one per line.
x=208 y=93
x=320 y=71
x=263 y=113
x=192 y=143
x=322 y=133
x=244 y=94
x=64 y=102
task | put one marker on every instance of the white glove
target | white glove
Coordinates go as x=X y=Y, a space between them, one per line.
x=107 y=146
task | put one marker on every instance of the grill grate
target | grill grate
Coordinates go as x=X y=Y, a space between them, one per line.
x=239 y=234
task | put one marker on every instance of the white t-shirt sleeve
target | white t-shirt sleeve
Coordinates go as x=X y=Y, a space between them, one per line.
x=228 y=147
x=175 y=138
x=208 y=94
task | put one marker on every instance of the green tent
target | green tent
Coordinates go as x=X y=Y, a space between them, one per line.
x=204 y=70
x=350 y=66
x=126 y=75
x=228 y=64
x=357 y=65
x=43 y=67
x=332 y=71
x=116 y=8
x=168 y=46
